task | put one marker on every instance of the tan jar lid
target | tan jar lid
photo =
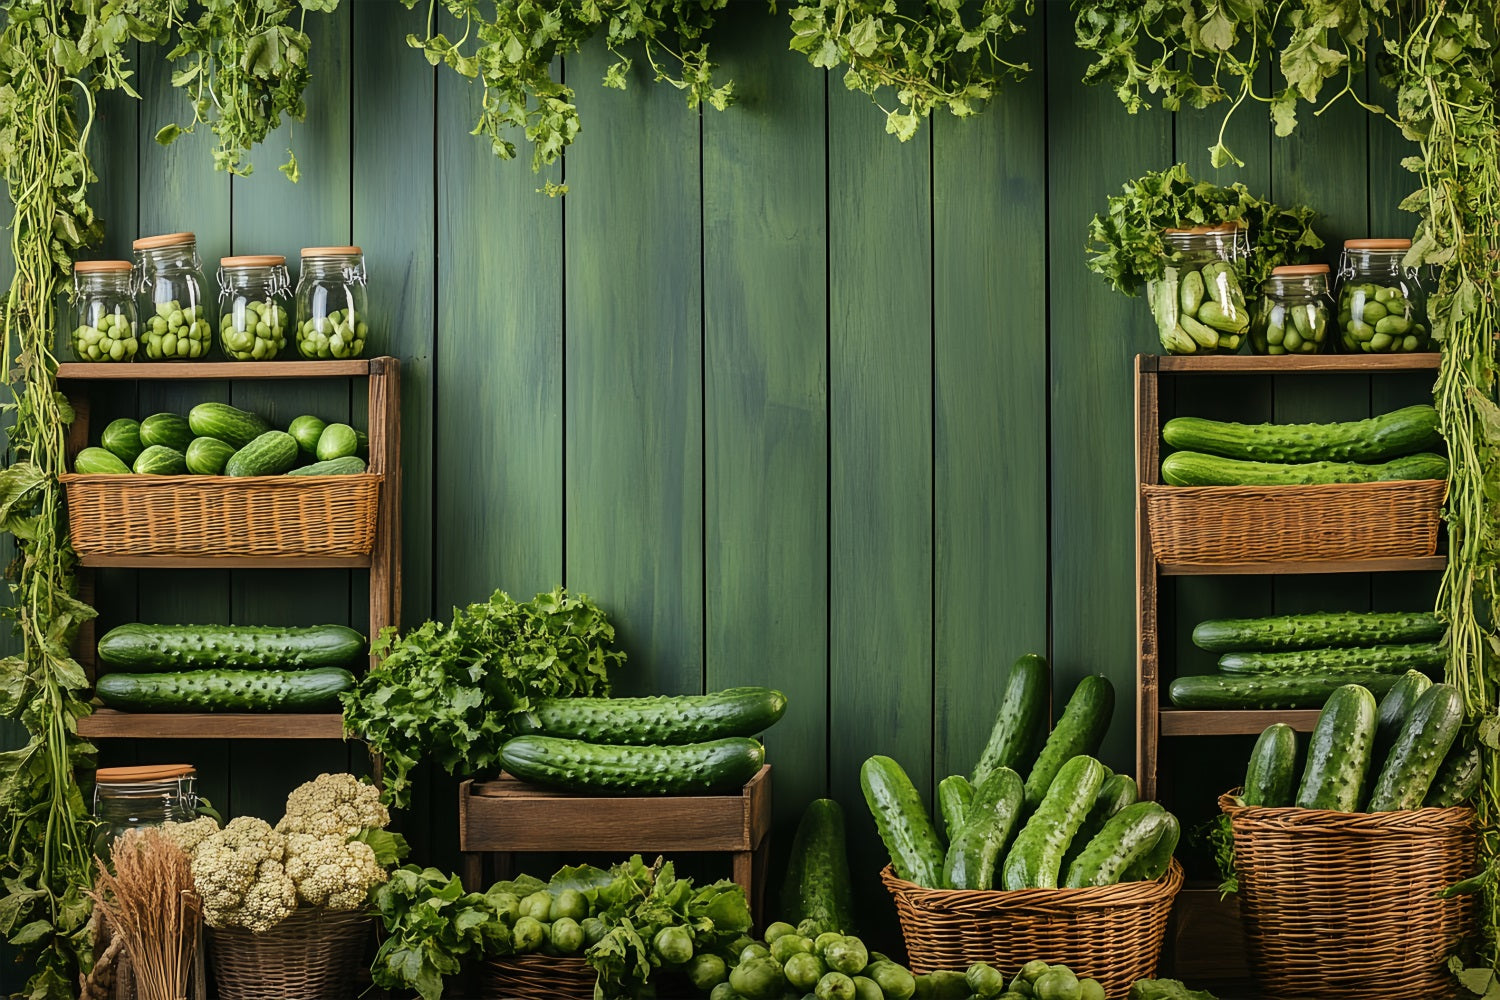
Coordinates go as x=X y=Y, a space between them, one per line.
x=95 y=266
x=254 y=260
x=1377 y=244
x=331 y=251
x=1299 y=270
x=142 y=772
x=169 y=240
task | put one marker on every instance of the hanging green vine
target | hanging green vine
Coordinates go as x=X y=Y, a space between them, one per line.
x=52 y=54
x=948 y=55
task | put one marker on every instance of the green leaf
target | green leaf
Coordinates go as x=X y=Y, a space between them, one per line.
x=31 y=933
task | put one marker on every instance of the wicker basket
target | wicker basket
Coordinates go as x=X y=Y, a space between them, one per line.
x=1110 y=933
x=312 y=955
x=1242 y=524
x=538 y=977
x=1343 y=905
x=268 y=516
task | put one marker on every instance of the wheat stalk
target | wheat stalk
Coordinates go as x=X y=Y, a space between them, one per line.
x=150 y=904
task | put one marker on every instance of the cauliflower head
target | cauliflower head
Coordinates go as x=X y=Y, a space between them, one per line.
x=331 y=871
x=334 y=805
x=238 y=872
x=189 y=835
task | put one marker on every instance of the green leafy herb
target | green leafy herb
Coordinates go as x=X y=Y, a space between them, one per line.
x=432 y=924
x=450 y=692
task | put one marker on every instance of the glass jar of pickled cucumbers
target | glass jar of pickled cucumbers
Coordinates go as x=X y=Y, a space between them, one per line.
x=254 y=298
x=103 y=311
x=331 y=297
x=1382 y=304
x=175 y=308
x=1292 y=316
x=1198 y=304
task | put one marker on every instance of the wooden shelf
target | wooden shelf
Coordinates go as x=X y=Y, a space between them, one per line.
x=225 y=562
x=1411 y=564
x=206 y=370
x=1252 y=364
x=106 y=723
x=1232 y=721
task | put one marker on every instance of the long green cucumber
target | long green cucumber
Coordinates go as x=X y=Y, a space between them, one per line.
x=1314 y=631
x=1191 y=468
x=902 y=821
x=1035 y=858
x=1418 y=753
x=1458 y=779
x=978 y=844
x=1154 y=864
x=1338 y=751
x=1021 y=723
x=714 y=765
x=1390 y=716
x=1125 y=839
x=1428 y=656
x=145 y=648
x=818 y=886
x=225 y=690
x=1272 y=773
x=1255 y=691
x=1117 y=792
x=1079 y=732
x=1400 y=432
x=954 y=797
x=670 y=720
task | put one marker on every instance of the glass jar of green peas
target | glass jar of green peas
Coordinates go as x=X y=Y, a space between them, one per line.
x=331 y=298
x=254 y=307
x=1382 y=304
x=1294 y=311
x=103 y=311
x=176 y=310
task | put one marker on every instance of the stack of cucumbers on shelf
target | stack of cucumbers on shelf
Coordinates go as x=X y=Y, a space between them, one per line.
x=218 y=439
x=226 y=668
x=1068 y=823
x=1393 y=446
x=1297 y=661
x=1403 y=752
x=664 y=745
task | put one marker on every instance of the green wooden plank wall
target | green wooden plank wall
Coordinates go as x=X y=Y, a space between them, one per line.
x=798 y=404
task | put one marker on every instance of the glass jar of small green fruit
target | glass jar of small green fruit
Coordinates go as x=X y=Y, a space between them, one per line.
x=1382 y=304
x=103 y=311
x=254 y=307
x=331 y=296
x=1198 y=304
x=1293 y=314
x=176 y=310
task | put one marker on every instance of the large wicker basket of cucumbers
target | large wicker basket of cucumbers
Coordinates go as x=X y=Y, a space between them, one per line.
x=222 y=482
x=1061 y=866
x=1342 y=875
x=1237 y=493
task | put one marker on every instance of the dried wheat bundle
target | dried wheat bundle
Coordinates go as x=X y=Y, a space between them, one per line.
x=150 y=905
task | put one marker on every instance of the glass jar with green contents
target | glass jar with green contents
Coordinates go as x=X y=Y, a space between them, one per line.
x=331 y=298
x=1293 y=314
x=129 y=798
x=1382 y=304
x=1198 y=304
x=103 y=311
x=254 y=298
x=176 y=309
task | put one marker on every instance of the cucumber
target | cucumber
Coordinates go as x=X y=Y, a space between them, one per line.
x=1021 y=723
x=818 y=886
x=1339 y=751
x=1283 y=632
x=336 y=441
x=166 y=429
x=227 y=423
x=1117 y=792
x=902 y=821
x=954 y=797
x=1374 y=659
x=99 y=462
x=159 y=460
x=1390 y=717
x=123 y=438
x=207 y=456
x=226 y=690
x=673 y=720
x=1272 y=773
x=1155 y=862
x=1376 y=439
x=572 y=765
x=146 y=648
x=1278 y=691
x=347 y=466
x=978 y=843
x=271 y=454
x=1458 y=779
x=1418 y=753
x=1125 y=839
x=1036 y=856
x=1079 y=732
x=1191 y=468
x=306 y=429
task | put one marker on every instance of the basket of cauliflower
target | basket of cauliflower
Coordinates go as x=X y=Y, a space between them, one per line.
x=287 y=906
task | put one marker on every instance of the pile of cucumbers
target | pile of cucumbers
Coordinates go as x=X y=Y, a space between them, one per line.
x=218 y=439
x=678 y=745
x=226 y=668
x=1393 y=446
x=804 y=962
x=1403 y=752
x=1200 y=309
x=1070 y=822
x=1297 y=661
x=552 y=922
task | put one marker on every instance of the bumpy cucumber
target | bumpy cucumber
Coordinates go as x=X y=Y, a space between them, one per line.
x=1035 y=857
x=671 y=720
x=1400 y=432
x=144 y=648
x=1021 y=723
x=902 y=821
x=1418 y=753
x=1272 y=772
x=1428 y=656
x=954 y=797
x=1339 y=751
x=818 y=886
x=1079 y=732
x=225 y=690
x=977 y=845
x=1458 y=779
x=1155 y=862
x=1125 y=839
x=347 y=466
x=1314 y=631
x=1390 y=717
x=1270 y=691
x=717 y=765
x=227 y=423
x=1191 y=468
x=1117 y=792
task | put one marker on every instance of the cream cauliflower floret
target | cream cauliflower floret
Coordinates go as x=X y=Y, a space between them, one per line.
x=189 y=835
x=239 y=873
x=333 y=805
x=332 y=871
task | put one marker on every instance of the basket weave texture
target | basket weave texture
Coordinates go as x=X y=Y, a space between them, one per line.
x=265 y=516
x=1239 y=524
x=538 y=977
x=1343 y=905
x=1110 y=933
x=314 y=954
